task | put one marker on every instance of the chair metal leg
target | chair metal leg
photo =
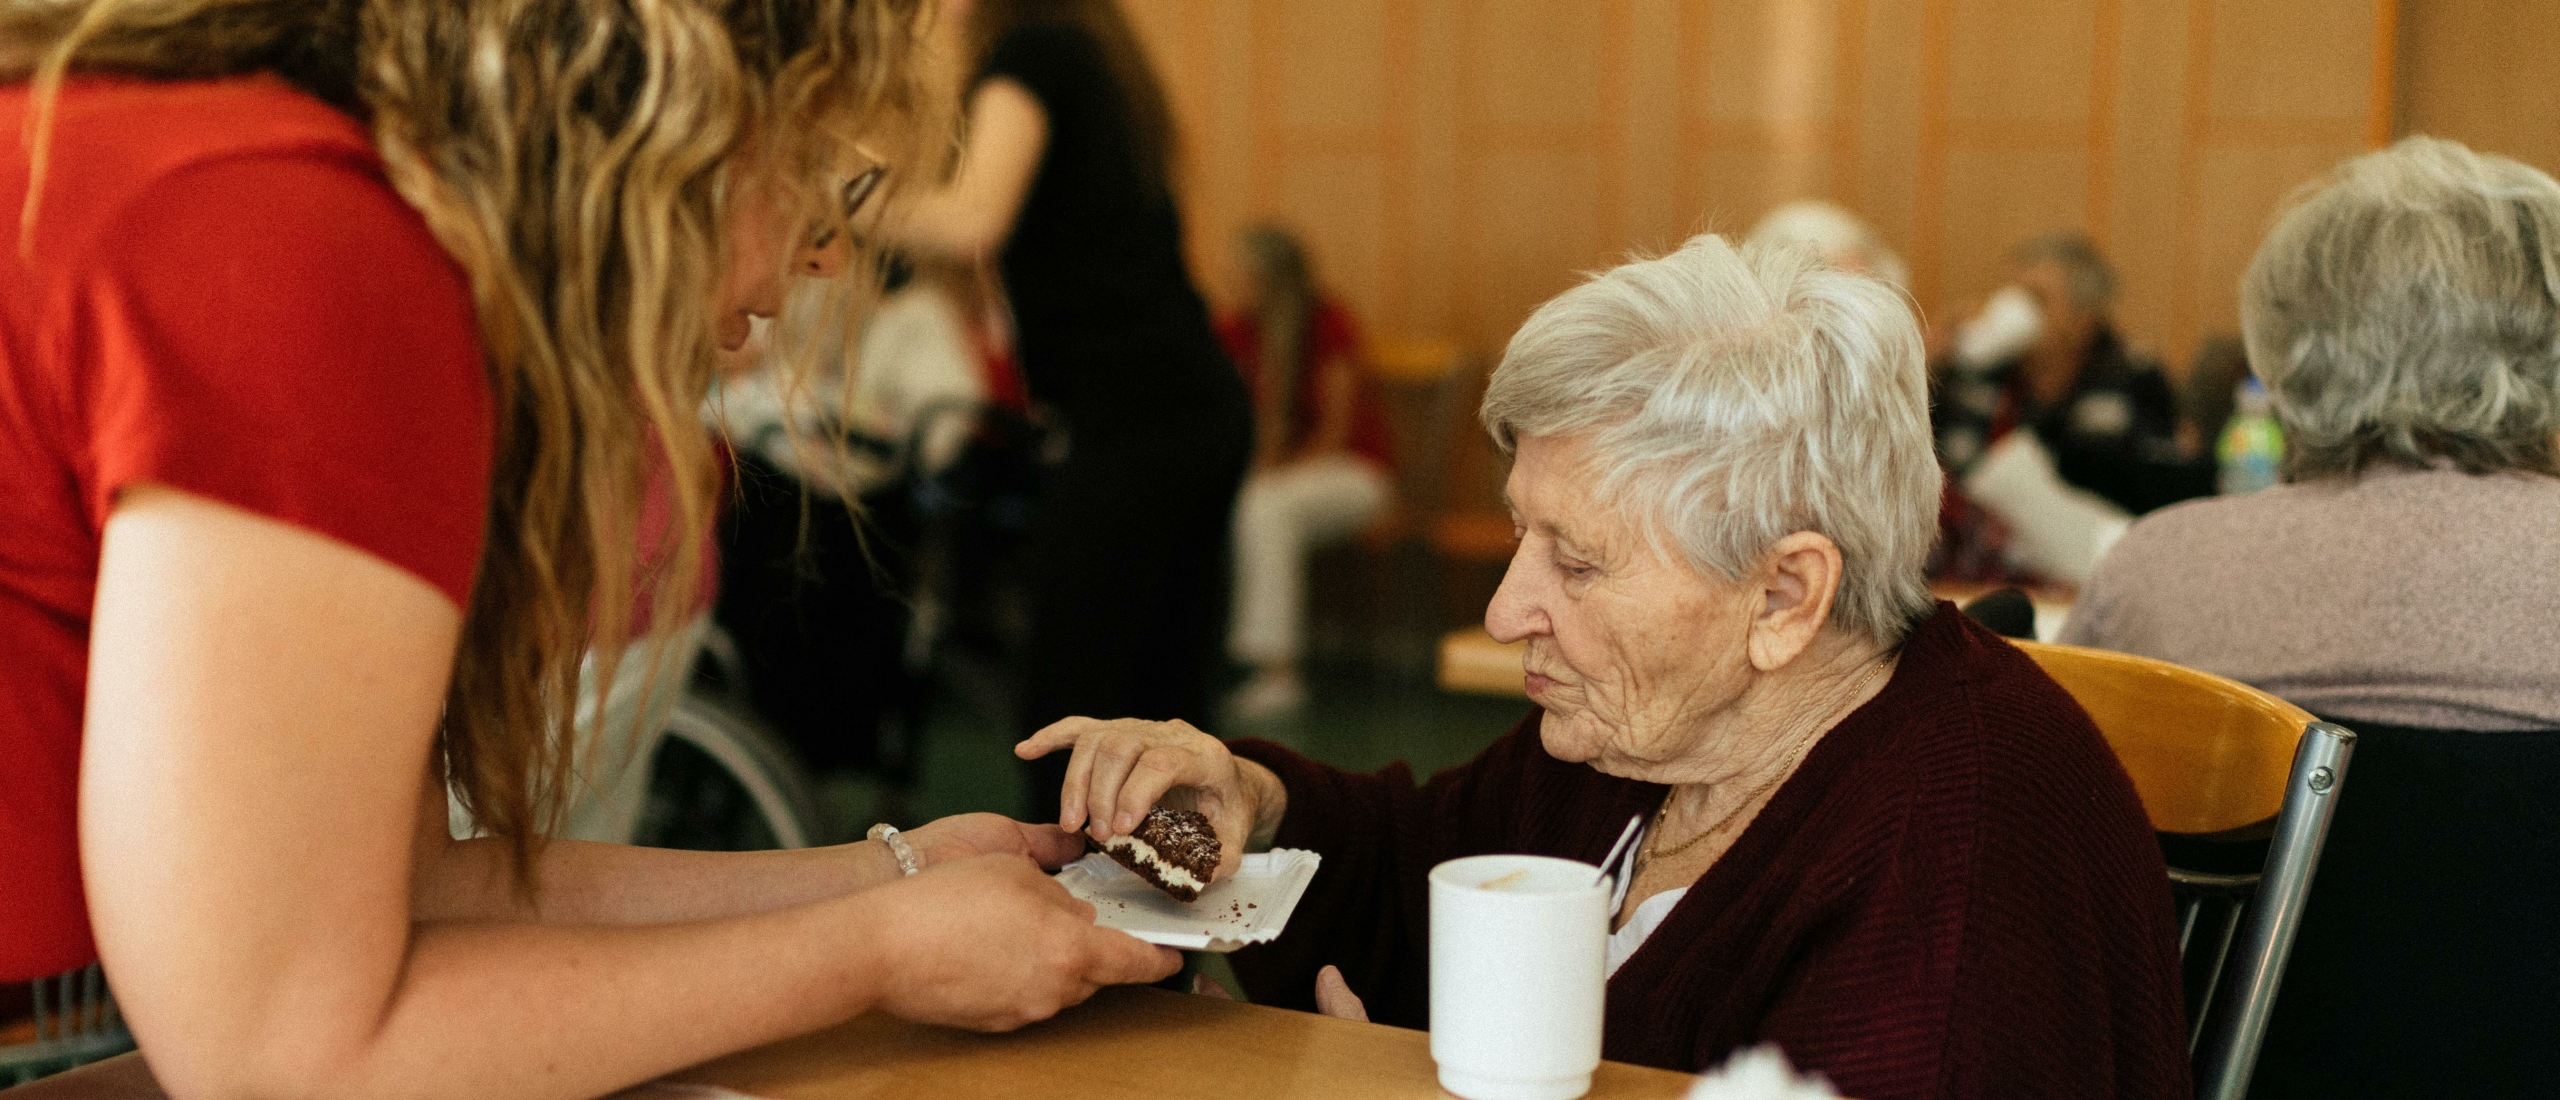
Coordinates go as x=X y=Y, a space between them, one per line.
x=2230 y=1051
x=76 y=1022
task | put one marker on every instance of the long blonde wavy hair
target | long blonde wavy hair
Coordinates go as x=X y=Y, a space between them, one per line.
x=576 y=158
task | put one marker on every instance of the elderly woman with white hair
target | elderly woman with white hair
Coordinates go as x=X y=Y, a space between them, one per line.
x=2405 y=317
x=1876 y=835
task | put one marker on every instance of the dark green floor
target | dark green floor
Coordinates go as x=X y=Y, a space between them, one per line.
x=1354 y=719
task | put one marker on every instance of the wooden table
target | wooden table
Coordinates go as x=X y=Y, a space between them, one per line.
x=1126 y=1042
x=1129 y=1043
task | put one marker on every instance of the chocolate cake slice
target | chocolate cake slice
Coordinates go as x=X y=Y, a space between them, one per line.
x=1174 y=850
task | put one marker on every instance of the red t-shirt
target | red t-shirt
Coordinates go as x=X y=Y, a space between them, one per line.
x=1332 y=337
x=225 y=296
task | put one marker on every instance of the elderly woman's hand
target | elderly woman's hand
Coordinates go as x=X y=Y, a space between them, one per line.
x=1123 y=767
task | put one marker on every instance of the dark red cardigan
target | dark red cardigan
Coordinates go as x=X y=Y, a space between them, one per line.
x=1956 y=895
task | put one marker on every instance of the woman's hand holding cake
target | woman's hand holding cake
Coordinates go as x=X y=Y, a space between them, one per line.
x=960 y=836
x=1123 y=767
x=1005 y=945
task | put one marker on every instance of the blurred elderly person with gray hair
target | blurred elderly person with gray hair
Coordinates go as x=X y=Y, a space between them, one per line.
x=2106 y=414
x=1842 y=239
x=1873 y=833
x=2404 y=315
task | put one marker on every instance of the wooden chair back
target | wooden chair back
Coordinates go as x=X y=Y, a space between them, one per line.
x=2216 y=758
x=2210 y=756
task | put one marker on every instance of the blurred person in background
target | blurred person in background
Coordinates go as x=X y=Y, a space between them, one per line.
x=918 y=352
x=1841 y=238
x=2405 y=317
x=1066 y=180
x=818 y=568
x=1321 y=457
x=326 y=423
x=2101 y=432
x=2108 y=418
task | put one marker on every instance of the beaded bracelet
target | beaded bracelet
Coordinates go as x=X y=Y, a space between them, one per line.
x=887 y=834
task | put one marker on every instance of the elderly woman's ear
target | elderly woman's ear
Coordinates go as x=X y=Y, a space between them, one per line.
x=1793 y=589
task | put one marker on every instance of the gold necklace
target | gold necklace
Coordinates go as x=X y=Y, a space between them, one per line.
x=1654 y=853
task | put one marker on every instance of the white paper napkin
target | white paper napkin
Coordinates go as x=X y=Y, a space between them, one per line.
x=1251 y=907
x=1760 y=1073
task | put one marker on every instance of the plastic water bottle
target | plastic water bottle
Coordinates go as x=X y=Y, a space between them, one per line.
x=2252 y=446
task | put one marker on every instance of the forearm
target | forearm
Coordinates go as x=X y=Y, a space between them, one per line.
x=583 y=882
x=971 y=217
x=543 y=1011
x=948 y=226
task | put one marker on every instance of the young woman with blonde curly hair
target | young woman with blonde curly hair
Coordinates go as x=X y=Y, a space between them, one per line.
x=338 y=345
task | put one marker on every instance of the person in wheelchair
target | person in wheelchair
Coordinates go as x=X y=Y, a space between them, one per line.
x=821 y=552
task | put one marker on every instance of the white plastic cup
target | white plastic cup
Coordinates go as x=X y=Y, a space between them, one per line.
x=2007 y=325
x=1519 y=969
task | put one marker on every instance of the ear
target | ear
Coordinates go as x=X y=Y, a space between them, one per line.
x=1796 y=583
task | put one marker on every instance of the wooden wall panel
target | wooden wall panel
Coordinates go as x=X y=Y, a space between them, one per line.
x=1456 y=161
x=2144 y=152
x=2485 y=73
x=2275 y=92
x=1655 y=203
x=2022 y=61
x=1333 y=67
x=1886 y=90
x=2292 y=61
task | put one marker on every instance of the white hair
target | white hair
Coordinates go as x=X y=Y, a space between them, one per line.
x=1733 y=398
x=2407 y=310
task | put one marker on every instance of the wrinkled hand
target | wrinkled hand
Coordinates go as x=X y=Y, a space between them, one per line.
x=961 y=836
x=990 y=943
x=1123 y=767
x=1334 y=997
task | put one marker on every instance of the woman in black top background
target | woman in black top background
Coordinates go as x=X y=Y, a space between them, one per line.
x=1065 y=178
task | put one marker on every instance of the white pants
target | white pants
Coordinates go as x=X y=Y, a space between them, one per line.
x=1281 y=515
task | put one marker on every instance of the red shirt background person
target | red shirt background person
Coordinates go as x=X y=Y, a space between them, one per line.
x=1321 y=457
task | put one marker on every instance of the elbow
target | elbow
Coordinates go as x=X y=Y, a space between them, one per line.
x=226 y=1083
x=965 y=231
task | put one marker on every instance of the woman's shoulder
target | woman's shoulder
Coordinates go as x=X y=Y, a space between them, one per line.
x=1980 y=722
x=2426 y=495
x=147 y=116
x=2194 y=550
x=115 y=140
x=2203 y=521
x=2157 y=557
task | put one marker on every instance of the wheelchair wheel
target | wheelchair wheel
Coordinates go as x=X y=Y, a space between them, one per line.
x=722 y=782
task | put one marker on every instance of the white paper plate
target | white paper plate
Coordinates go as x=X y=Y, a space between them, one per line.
x=1251 y=907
